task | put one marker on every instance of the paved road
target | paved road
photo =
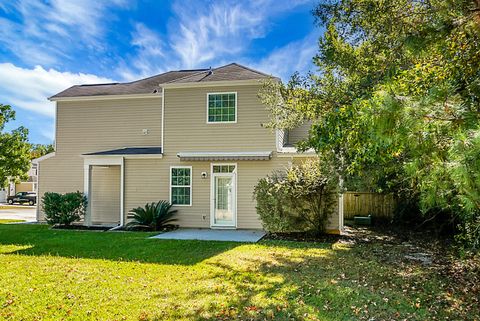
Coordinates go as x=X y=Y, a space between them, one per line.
x=26 y=213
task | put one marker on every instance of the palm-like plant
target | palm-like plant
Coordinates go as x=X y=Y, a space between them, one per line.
x=153 y=216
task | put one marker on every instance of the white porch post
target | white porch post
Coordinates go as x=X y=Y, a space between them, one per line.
x=86 y=190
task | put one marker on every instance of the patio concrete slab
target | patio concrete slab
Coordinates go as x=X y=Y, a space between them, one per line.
x=251 y=236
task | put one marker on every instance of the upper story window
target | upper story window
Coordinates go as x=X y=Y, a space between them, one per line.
x=222 y=108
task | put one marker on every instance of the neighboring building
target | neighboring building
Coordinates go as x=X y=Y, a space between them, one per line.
x=30 y=185
x=193 y=137
x=3 y=195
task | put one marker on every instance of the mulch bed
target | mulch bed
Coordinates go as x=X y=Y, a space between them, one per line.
x=303 y=237
x=81 y=227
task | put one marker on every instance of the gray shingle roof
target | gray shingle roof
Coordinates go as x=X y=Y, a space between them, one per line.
x=225 y=73
x=151 y=85
x=130 y=151
x=143 y=86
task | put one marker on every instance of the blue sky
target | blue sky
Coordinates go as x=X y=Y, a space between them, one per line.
x=49 y=45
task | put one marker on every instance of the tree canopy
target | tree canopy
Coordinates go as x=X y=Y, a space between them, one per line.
x=396 y=101
x=38 y=150
x=14 y=149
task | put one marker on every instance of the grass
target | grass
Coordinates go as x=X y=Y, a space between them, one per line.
x=7 y=221
x=7 y=207
x=82 y=275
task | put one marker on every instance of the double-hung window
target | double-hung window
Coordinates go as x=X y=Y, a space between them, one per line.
x=181 y=185
x=222 y=108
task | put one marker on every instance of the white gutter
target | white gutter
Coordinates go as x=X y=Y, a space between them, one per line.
x=224 y=156
x=104 y=97
x=213 y=83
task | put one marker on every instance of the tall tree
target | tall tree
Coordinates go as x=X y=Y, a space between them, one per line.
x=14 y=149
x=38 y=150
x=397 y=100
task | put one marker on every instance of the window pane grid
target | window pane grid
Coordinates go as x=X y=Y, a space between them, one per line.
x=223 y=168
x=222 y=107
x=181 y=186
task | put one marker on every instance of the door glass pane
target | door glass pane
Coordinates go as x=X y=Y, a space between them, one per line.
x=223 y=168
x=223 y=200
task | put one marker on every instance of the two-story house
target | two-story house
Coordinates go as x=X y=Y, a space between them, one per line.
x=192 y=137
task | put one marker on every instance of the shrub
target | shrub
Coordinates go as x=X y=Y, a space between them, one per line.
x=154 y=216
x=469 y=235
x=298 y=199
x=64 y=209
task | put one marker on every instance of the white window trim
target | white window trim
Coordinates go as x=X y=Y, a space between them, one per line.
x=236 y=108
x=191 y=185
x=212 y=195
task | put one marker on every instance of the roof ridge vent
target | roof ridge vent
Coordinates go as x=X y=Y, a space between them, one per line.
x=210 y=71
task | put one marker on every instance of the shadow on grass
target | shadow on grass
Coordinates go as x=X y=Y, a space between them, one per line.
x=117 y=246
x=324 y=282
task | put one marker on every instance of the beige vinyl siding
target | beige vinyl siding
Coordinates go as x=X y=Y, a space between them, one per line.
x=186 y=127
x=147 y=180
x=297 y=134
x=60 y=175
x=105 y=195
x=90 y=126
x=101 y=125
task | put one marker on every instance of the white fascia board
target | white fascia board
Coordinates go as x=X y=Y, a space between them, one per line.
x=105 y=97
x=102 y=160
x=224 y=156
x=221 y=154
x=44 y=157
x=143 y=156
x=213 y=83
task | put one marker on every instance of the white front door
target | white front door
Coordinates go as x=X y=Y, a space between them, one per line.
x=224 y=195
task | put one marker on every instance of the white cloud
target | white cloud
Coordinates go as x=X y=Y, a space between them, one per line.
x=219 y=29
x=203 y=34
x=52 y=30
x=152 y=55
x=295 y=56
x=29 y=88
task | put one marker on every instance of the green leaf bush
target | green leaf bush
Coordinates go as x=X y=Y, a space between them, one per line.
x=299 y=199
x=152 y=217
x=64 y=209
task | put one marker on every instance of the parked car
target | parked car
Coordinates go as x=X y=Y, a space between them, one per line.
x=23 y=197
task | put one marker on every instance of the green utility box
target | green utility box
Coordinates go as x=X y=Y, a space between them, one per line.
x=362 y=220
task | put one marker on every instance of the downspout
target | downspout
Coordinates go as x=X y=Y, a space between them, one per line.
x=37 y=210
x=163 y=120
x=122 y=192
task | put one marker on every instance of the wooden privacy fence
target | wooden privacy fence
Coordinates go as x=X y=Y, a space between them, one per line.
x=365 y=203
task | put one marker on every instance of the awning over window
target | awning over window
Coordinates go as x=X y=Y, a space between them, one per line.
x=224 y=156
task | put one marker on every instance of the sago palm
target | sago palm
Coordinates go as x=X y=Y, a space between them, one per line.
x=153 y=216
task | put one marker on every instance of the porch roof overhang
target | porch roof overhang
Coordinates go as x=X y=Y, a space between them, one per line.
x=224 y=156
x=128 y=152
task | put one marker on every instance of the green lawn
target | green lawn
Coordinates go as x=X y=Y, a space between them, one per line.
x=78 y=275
x=7 y=220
